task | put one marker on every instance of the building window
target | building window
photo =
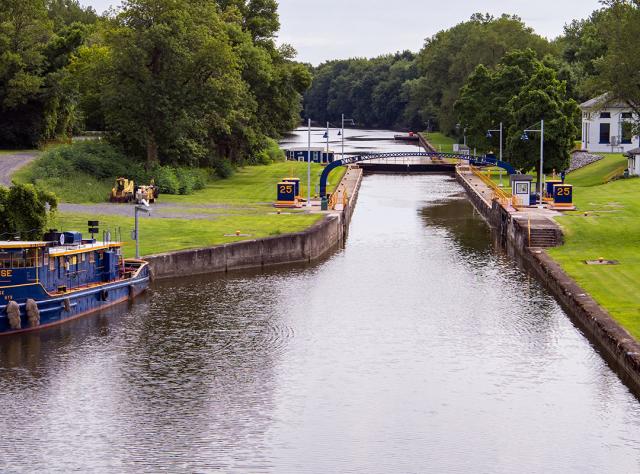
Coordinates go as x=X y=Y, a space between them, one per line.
x=626 y=132
x=605 y=133
x=627 y=115
x=605 y=115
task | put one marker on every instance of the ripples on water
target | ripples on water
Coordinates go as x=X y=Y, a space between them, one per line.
x=418 y=348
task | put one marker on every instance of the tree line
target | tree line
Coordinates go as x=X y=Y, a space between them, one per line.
x=488 y=70
x=178 y=82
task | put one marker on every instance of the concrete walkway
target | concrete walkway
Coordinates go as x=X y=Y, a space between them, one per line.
x=12 y=162
x=487 y=194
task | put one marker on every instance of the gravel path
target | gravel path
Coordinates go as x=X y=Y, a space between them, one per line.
x=12 y=162
x=159 y=210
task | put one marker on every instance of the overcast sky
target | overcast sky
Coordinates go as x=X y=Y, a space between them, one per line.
x=337 y=29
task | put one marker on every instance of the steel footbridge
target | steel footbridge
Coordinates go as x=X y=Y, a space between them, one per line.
x=476 y=160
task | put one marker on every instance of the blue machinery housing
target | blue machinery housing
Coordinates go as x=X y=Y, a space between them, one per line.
x=485 y=160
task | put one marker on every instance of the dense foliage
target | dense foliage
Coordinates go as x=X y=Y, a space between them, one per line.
x=173 y=82
x=417 y=91
x=519 y=92
x=94 y=163
x=24 y=211
x=593 y=56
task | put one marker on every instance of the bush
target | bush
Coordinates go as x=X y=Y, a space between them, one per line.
x=223 y=168
x=97 y=159
x=166 y=180
x=86 y=171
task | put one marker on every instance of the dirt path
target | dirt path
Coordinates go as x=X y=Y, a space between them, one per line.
x=159 y=210
x=12 y=162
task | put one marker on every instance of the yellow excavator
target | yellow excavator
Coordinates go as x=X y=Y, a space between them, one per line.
x=126 y=191
x=123 y=191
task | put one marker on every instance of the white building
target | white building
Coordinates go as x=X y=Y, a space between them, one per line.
x=607 y=126
x=634 y=162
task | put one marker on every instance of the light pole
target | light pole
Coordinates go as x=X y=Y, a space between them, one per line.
x=525 y=137
x=136 y=233
x=309 y=166
x=464 y=133
x=489 y=135
x=326 y=135
x=343 y=121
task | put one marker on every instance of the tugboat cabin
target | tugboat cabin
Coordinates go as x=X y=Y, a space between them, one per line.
x=61 y=263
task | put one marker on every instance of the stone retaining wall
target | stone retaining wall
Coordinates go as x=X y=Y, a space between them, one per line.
x=302 y=247
x=619 y=348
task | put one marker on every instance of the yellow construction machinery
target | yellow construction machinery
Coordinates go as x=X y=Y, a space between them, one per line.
x=147 y=192
x=123 y=191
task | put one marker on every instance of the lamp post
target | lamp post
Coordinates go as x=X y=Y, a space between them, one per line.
x=343 y=121
x=136 y=233
x=309 y=165
x=464 y=133
x=525 y=137
x=489 y=135
x=326 y=135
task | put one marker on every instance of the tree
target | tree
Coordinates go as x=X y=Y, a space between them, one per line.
x=543 y=97
x=173 y=77
x=619 y=68
x=24 y=211
x=449 y=57
x=37 y=102
x=519 y=92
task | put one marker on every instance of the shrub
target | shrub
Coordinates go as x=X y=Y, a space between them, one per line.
x=223 y=168
x=186 y=180
x=166 y=180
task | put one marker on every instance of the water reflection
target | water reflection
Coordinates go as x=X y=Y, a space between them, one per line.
x=418 y=348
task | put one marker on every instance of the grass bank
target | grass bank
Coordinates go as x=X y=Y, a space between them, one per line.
x=440 y=141
x=607 y=224
x=167 y=235
x=212 y=215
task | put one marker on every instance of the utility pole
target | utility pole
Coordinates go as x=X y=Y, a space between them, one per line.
x=309 y=166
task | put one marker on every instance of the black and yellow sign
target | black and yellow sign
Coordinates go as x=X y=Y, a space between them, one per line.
x=563 y=194
x=286 y=192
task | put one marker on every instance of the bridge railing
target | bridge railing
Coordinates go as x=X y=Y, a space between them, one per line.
x=498 y=193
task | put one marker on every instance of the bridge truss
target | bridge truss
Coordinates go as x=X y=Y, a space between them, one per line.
x=477 y=160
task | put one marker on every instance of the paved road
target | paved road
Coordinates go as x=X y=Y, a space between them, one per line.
x=11 y=162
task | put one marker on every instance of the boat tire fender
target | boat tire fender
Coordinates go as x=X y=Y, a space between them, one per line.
x=67 y=305
x=104 y=295
x=33 y=313
x=13 y=312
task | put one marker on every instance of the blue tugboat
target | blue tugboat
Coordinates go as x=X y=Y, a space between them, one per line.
x=63 y=277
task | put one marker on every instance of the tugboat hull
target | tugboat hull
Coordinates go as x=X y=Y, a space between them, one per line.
x=54 y=309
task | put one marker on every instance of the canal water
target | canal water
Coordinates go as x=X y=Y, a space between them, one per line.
x=416 y=348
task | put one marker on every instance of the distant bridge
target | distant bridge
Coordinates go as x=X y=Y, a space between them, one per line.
x=484 y=160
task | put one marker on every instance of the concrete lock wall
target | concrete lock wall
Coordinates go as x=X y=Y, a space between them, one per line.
x=302 y=247
x=618 y=347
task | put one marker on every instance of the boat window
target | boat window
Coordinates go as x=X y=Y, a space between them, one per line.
x=5 y=260
x=92 y=257
x=20 y=258
x=52 y=263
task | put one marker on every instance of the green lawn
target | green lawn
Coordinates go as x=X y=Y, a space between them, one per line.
x=595 y=174
x=242 y=203
x=256 y=185
x=165 y=235
x=606 y=225
x=441 y=142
